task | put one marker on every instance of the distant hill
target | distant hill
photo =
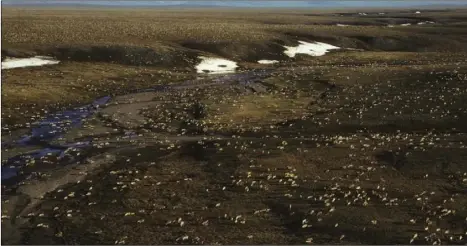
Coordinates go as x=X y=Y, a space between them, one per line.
x=242 y=4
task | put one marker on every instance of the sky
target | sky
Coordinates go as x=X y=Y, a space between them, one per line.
x=250 y=4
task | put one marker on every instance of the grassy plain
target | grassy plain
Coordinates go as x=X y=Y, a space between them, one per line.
x=363 y=146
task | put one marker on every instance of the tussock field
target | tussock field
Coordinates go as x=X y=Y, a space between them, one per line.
x=123 y=142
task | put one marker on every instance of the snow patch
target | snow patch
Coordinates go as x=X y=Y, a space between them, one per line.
x=406 y=24
x=417 y=12
x=312 y=49
x=267 y=61
x=341 y=25
x=425 y=22
x=215 y=65
x=9 y=63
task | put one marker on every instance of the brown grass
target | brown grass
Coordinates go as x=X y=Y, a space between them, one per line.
x=32 y=27
x=323 y=169
x=27 y=90
x=251 y=109
x=244 y=36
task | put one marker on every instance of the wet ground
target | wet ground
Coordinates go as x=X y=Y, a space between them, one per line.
x=167 y=165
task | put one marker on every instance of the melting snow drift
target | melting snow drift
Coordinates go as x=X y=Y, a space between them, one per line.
x=312 y=49
x=215 y=65
x=9 y=63
x=267 y=61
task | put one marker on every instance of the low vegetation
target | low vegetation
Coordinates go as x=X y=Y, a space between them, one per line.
x=359 y=146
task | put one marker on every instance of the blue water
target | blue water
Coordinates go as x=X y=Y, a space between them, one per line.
x=56 y=124
x=248 y=4
x=50 y=128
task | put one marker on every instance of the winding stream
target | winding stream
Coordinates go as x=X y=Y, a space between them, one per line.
x=56 y=124
x=52 y=127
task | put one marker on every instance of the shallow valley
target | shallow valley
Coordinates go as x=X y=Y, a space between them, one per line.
x=125 y=142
